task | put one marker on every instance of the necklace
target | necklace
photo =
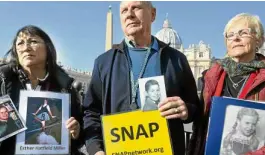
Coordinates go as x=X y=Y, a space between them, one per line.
x=235 y=84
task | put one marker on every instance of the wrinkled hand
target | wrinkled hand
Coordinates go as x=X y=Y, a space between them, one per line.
x=74 y=127
x=100 y=153
x=173 y=107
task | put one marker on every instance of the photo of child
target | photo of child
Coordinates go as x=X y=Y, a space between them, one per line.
x=43 y=114
x=152 y=92
x=242 y=138
x=43 y=121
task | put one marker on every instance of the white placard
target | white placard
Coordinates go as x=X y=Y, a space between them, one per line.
x=45 y=114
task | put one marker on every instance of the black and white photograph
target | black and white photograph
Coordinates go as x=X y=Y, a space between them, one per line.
x=45 y=114
x=243 y=130
x=152 y=91
x=11 y=123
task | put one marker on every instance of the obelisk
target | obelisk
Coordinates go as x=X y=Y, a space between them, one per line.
x=109 y=30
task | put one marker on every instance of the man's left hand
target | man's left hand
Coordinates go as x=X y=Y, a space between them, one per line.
x=173 y=107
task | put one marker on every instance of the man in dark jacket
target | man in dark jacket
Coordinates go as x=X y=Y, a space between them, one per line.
x=114 y=87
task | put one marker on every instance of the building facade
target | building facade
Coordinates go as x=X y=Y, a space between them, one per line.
x=199 y=55
x=83 y=77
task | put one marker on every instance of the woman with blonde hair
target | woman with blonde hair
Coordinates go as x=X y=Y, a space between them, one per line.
x=241 y=74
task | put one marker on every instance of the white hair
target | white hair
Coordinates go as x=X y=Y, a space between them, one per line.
x=147 y=3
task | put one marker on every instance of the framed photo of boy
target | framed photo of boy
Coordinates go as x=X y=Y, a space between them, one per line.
x=152 y=91
x=45 y=114
x=236 y=126
x=11 y=123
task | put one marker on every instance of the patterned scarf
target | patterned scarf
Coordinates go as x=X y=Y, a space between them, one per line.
x=240 y=69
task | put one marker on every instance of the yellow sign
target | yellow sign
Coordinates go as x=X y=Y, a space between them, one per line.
x=137 y=132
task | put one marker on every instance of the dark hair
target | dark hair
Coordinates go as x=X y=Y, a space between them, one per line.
x=35 y=31
x=150 y=83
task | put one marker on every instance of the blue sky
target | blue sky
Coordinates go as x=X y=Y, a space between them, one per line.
x=78 y=28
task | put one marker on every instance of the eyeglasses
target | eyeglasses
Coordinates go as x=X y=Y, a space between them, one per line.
x=241 y=33
x=31 y=43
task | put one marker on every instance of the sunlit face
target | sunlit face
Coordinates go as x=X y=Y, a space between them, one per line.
x=3 y=114
x=244 y=45
x=154 y=93
x=31 y=50
x=136 y=17
x=247 y=125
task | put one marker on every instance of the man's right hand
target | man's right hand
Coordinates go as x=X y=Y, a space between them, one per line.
x=100 y=153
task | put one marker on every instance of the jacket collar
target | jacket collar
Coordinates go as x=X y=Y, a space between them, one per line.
x=211 y=79
x=121 y=47
x=63 y=79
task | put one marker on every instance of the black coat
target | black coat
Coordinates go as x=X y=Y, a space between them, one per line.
x=12 y=80
x=109 y=92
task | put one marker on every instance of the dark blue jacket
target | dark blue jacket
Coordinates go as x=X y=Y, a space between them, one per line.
x=109 y=92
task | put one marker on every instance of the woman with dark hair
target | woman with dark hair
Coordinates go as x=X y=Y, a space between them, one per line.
x=30 y=64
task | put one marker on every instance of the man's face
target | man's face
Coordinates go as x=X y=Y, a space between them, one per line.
x=247 y=125
x=154 y=93
x=136 y=17
x=3 y=114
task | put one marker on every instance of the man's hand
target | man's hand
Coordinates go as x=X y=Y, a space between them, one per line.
x=173 y=107
x=74 y=127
